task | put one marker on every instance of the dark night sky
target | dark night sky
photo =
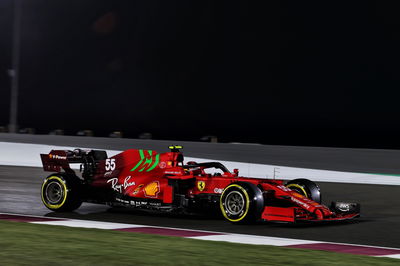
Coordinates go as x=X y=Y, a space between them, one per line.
x=297 y=73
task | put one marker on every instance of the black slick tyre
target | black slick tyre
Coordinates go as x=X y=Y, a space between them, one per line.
x=306 y=188
x=241 y=202
x=61 y=192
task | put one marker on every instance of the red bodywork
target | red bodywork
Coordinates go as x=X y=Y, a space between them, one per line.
x=135 y=175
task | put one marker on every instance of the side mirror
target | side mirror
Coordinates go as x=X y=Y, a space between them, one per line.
x=236 y=171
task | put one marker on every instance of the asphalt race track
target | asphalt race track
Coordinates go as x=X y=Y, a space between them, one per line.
x=20 y=193
x=378 y=226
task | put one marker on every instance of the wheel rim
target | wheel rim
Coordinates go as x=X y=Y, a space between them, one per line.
x=234 y=203
x=54 y=192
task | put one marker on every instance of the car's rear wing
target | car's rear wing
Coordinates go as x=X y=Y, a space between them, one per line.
x=61 y=159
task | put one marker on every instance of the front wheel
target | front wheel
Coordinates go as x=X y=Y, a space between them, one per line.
x=61 y=192
x=305 y=187
x=241 y=202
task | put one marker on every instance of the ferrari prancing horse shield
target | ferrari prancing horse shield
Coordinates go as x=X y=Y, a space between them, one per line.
x=201 y=185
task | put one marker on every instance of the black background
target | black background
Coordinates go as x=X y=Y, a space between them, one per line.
x=281 y=72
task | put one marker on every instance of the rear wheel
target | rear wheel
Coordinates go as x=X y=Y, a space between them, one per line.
x=61 y=192
x=241 y=202
x=306 y=188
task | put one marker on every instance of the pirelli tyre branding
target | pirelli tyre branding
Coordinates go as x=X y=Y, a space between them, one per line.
x=61 y=192
x=54 y=192
x=235 y=203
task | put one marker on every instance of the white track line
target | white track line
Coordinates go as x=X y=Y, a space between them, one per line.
x=88 y=224
x=255 y=240
x=396 y=256
x=217 y=236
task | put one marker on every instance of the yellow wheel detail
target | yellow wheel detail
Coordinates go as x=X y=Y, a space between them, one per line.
x=234 y=203
x=306 y=188
x=54 y=192
x=299 y=189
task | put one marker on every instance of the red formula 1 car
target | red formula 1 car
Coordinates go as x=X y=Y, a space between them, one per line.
x=146 y=179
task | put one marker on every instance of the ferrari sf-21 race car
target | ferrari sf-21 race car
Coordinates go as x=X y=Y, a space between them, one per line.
x=146 y=179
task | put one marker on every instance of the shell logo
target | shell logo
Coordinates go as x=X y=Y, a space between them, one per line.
x=152 y=189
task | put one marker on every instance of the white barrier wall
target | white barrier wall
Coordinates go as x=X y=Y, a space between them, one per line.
x=22 y=154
